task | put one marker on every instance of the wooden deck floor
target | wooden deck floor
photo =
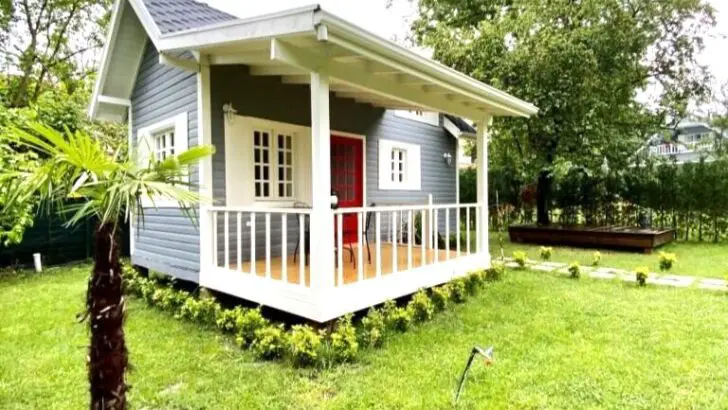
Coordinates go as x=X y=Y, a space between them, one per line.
x=350 y=271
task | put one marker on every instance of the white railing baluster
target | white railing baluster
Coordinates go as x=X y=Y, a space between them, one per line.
x=423 y=240
x=467 y=229
x=436 y=237
x=360 y=247
x=227 y=240
x=378 y=232
x=239 y=243
x=214 y=237
x=252 y=243
x=478 y=222
x=284 y=248
x=339 y=250
x=301 y=250
x=410 y=238
x=457 y=232
x=394 y=242
x=267 y=246
x=447 y=234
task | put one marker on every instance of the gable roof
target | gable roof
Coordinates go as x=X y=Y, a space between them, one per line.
x=290 y=44
x=171 y=16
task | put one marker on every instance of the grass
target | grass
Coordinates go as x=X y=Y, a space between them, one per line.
x=702 y=259
x=559 y=343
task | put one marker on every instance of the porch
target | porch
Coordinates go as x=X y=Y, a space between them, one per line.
x=264 y=255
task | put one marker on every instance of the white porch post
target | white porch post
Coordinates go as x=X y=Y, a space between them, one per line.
x=482 y=166
x=204 y=131
x=322 y=219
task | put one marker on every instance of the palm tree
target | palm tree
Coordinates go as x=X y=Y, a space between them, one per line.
x=100 y=183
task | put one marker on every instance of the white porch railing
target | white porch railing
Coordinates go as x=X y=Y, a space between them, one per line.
x=679 y=148
x=380 y=253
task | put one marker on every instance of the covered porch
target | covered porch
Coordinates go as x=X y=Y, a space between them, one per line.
x=316 y=261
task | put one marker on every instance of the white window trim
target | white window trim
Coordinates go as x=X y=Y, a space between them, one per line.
x=273 y=164
x=413 y=180
x=145 y=148
x=427 y=117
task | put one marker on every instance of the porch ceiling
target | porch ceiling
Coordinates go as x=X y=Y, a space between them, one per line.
x=360 y=65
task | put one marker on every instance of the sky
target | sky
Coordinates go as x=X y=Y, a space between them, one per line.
x=393 y=23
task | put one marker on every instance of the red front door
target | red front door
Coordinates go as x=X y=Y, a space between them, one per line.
x=347 y=179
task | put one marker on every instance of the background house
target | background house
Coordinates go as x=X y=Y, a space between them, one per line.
x=688 y=142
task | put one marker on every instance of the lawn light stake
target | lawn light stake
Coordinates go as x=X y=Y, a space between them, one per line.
x=487 y=357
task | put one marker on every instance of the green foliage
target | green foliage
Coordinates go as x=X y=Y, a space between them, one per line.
x=546 y=252
x=373 y=329
x=596 y=258
x=249 y=322
x=520 y=258
x=227 y=319
x=343 y=344
x=441 y=297
x=641 y=275
x=474 y=281
x=270 y=342
x=574 y=270
x=495 y=273
x=203 y=311
x=458 y=290
x=582 y=63
x=395 y=317
x=421 y=307
x=304 y=345
x=667 y=260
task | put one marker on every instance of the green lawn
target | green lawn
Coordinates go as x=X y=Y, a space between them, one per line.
x=703 y=259
x=559 y=344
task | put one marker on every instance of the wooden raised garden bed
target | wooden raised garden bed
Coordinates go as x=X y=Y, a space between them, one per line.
x=616 y=237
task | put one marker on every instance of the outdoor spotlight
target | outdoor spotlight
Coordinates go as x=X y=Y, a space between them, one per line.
x=488 y=360
x=334 y=200
x=448 y=158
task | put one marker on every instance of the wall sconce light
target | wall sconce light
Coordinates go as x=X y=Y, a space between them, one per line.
x=229 y=111
x=447 y=157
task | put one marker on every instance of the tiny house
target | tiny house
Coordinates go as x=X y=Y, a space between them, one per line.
x=334 y=185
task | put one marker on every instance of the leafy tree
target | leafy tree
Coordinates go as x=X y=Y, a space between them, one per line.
x=46 y=43
x=582 y=63
x=109 y=189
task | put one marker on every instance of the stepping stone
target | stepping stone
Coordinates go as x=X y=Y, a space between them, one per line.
x=512 y=265
x=713 y=284
x=554 y=264
x=599 y=274
x=673 y=280
x=544 y=268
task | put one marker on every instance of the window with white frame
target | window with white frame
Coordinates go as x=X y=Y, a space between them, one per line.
x=159 y=141
x=399 y=166
x=273 y=164
x=163 y=143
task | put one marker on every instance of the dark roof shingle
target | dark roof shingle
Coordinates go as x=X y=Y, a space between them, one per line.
x=461 y=124
x=177 y=15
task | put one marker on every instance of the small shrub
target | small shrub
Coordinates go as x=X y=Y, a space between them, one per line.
x=667 y=260
x=248 y=322
x=373 y=329
x=520 y=258
x=203 y=311
x=343 y=343
x=495 y=272
x=641 y=274
x=398 y=318
x=458 y=290
x=227 y=318
x=269 y=343
x=546 y=252
x=441 y=297
x=596 y=258
x=574 y=270
x=304 y=345
x=473 y=282
x=421 y=307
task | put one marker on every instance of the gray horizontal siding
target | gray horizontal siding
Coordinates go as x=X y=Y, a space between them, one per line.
x=166 y=241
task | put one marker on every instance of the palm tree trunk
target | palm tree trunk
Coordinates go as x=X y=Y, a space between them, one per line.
x=108 y=360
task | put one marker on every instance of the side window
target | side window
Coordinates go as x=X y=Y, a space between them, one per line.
x=399 y=166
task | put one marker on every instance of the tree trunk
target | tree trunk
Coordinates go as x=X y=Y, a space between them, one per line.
x=543 y=195
x=107 y=360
